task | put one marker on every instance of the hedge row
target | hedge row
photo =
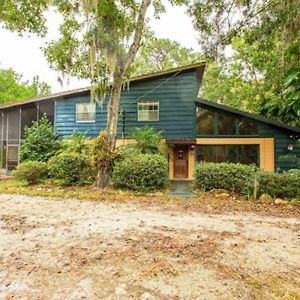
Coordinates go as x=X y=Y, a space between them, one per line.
x=141 y=172
x=67 y=168
x=247 y=180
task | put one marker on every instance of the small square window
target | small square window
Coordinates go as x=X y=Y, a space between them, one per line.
x=85 y=112
x=148 y=111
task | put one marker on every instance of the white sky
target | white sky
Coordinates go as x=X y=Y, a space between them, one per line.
x=24 y=54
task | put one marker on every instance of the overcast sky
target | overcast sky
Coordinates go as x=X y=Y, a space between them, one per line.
x=24 y=54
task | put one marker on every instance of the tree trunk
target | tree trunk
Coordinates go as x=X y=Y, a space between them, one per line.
x=102 y=178
x=114 y=107
x=118 y=76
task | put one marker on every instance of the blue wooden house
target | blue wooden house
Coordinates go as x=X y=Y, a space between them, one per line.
x=195 y=129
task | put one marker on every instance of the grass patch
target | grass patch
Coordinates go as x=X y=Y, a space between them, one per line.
x=204 y=202
x=50 y=189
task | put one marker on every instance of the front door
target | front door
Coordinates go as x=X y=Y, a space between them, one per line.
x=180 y=162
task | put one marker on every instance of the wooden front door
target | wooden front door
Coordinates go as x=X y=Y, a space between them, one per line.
x=180 y=156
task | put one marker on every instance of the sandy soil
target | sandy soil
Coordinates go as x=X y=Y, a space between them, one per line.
x=76 y=249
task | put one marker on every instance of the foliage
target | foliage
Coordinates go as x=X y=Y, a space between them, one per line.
x=277 y=185
x=13 y=89
x=141 y=172
x=147 y=139
x=161 y=54
x=77 y=143
x=31 y=171
x=69 y=168
x=228 y=176
x=260 y=73
x=103 y=157
x=40 y=141
x=23 y=15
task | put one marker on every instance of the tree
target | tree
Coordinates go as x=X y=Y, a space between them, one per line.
x=99 y=41
x=40 y=142
x=161 y=54
x=264 y=35
x=12 y=88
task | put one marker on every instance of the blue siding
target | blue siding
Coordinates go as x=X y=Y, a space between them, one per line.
x=176 y=96
x=281 y=140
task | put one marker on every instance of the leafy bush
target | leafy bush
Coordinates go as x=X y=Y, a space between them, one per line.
x=228 y=176
x=141 y=172
x=69 y=168
x=76 y=143
x=277 y=185
x=32 y=171
x=40 y=142
x=147 y=140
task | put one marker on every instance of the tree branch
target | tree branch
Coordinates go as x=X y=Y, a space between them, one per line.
x=140 y=24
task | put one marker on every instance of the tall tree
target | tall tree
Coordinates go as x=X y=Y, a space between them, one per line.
x=264 y=67
x=99 y=41
x=158 y=54
x=13 y=89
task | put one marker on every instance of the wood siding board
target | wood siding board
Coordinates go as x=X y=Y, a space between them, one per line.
x=177 y=109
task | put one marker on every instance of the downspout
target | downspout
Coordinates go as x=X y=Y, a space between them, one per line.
x=123 y=124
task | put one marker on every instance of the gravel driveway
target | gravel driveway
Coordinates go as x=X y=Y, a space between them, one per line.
x=80 y=249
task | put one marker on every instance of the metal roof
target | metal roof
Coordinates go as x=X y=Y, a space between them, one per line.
x=248 y=115
x=149 y=76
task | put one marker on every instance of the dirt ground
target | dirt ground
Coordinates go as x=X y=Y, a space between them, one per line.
x=80 y=249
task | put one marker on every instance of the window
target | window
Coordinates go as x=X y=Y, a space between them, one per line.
x=226 y=124
x=216 y=122
x=246 y=127
x=205 y=121
x=245 y=154
x=85 y=112
x=148 y=111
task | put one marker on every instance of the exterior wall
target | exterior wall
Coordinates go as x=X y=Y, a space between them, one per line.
x=176 y=96
x=281 y=140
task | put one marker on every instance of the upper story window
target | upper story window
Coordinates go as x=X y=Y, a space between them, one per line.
x=85 y=112
x=216 y=122
x=148 y=111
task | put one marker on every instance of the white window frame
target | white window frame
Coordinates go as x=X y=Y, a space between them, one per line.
x=86 y=121
x=147 y=102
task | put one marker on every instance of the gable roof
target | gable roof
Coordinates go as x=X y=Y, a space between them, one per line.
x=171 y=72
x=248 y=115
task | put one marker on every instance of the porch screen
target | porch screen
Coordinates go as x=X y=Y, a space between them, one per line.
x=245 y=154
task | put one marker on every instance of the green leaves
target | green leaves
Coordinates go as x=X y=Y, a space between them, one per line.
x=40 y=142
x=12 y=89
x=147 y=139
x=24 y=15
x=141 y=172
x=162 y=54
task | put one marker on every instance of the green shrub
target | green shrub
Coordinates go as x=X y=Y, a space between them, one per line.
x=277 y=185
x=69 y=168
x=141 y=172
x=228 y=176
x=40 y=142
x=147 y=140
x=77 y=143
x=32 y=171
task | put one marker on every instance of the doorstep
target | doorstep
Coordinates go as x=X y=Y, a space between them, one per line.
x=182 y=188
